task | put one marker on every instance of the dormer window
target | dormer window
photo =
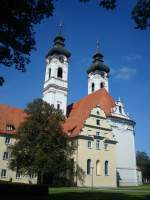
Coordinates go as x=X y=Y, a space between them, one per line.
x=10 y=127
x=120 y=109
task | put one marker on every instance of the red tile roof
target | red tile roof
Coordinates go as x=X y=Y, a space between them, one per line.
x=10 y=116
x=78 y=112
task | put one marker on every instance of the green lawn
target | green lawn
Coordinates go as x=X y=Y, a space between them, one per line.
x=122 y=193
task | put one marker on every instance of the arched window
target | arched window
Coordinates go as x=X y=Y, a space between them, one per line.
x=106 y=168
x=59 y=73
x=98 y=168
x=49 y=73
x=93 y=87
x=101 y=85
x=89 y=167
x=97 y=144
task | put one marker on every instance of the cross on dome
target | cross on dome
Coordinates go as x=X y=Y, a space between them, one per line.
x=97 y=45
x=60 y=27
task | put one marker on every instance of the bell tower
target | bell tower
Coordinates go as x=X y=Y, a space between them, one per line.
x=56 y=76
x=97 y=73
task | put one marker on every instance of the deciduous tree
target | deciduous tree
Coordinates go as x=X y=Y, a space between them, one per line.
x=41 y=147
x=143 y=162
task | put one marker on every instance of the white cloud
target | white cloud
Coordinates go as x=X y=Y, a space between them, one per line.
x=131 y=58
x=124 y=73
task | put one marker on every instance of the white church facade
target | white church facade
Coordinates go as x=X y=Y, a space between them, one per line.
x=102 y=129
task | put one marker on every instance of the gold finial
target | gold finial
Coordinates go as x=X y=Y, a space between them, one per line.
x=60 y=27
x=97 y=46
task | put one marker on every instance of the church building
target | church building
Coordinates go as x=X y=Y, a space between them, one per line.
x=104 y=131
x=101 y=127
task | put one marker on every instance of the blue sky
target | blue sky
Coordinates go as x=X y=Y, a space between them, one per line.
x=126 y=51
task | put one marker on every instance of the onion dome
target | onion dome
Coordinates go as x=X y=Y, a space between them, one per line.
x=98 y=64
x=59 y=47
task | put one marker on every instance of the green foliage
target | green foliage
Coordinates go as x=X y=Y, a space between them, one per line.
x=42 y=148
x=143 y=162
x=140 y=13
x=1 y=81
x=16 y=29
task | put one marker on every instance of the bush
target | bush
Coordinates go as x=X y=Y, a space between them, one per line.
x=15 y=189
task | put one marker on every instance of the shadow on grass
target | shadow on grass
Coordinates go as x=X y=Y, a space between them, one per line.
x=86 y=195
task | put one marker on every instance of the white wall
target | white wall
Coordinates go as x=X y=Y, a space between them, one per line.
x=126 y=155
x=56 y=89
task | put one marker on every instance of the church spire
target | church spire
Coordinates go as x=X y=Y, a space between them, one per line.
x=97 y=72
x=98 y=63
x=97 y=46
x=60 y=28
x=56 y=76
x=59 y=45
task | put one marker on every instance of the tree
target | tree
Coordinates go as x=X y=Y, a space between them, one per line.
x=17 y=20
x=41 y=147
x=140 y=13
x=143 y=162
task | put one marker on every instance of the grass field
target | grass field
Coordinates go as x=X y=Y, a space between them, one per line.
x=122 y=193
x=74 y=193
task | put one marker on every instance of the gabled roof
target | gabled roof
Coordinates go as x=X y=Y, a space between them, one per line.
x=79 y=111
x=10 y=116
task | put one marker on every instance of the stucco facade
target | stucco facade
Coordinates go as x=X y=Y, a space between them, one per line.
x=5 y=154
x=96 y=143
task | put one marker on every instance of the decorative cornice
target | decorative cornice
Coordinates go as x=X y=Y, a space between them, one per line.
x=92 y=126
x=110 y=141
x=100 y=117
x=56 y=87
x=86 y=137
x=122 y=119
x=56 y=79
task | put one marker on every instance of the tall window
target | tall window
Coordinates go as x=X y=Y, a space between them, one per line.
x=98 y=168
x=5 y=156
x=89 y=144
x=106 y=146
x=106 y=168
x=120 y=109
x=59 y=73
x=58 y=106
x=4 y=173
x=49 y=73
x=7 y=140
x=89 y=167
x=97 y=144
x=101 y=85
x=97 y=122
x=93 y=87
